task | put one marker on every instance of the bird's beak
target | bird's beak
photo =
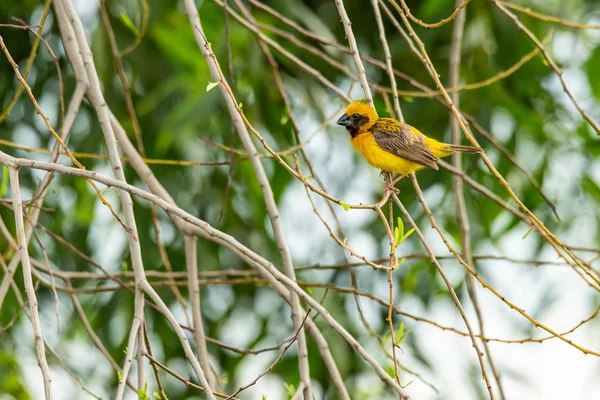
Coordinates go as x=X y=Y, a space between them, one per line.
x=344 y=120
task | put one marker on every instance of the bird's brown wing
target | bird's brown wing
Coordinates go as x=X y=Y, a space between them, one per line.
x=398 y=139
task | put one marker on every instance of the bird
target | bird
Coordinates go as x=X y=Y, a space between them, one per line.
x=394 y=146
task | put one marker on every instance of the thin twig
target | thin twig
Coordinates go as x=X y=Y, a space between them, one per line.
x=191 y=264
x=362 y=74
x=459 y=6
x=548 y=18
x=29 y=289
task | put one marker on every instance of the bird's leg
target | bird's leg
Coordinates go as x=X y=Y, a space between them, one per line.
x=382 y=175
x=391 y=185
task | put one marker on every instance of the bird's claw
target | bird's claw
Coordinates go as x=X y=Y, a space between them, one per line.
x=382 y=175
x=392 y=188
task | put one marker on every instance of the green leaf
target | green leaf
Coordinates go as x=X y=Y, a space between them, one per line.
x=410 y=232
x=307 y=177
x=405 y=386
x=401 y=335
x=4 y=183
x=390 y=372
x=401 y=226
x=402 y=260
x=397 y=236
x=290 y=389
x=284 y=119
x=345 y=206
x=400 y=332
x=264 y=397
x=119 y=375
x=130 y=24
x=212 y=85
x=142 y=392
x=345 y=240
x=528 y=232
x=408 y=99
x=308 y=290
x=240 y=105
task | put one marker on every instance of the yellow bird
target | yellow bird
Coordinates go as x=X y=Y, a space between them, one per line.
x=393 y=146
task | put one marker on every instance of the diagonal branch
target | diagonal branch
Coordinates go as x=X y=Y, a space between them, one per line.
x=362 y=74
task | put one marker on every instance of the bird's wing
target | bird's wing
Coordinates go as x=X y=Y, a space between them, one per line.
x=400 y=140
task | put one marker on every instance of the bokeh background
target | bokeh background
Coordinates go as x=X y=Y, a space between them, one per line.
x=527 y=111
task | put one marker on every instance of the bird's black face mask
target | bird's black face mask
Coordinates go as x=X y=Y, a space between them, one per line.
x=352 y=122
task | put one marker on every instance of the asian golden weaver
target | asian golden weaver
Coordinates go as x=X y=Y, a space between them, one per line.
x=393 y=146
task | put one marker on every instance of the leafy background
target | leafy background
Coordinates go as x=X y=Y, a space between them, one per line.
x=527 y=111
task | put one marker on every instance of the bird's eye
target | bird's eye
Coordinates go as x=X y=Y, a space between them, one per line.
x=355 y=117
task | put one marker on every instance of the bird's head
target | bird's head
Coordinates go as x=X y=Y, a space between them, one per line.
x=358 y=116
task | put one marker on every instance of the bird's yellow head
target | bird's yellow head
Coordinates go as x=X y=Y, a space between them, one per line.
x=358 y=116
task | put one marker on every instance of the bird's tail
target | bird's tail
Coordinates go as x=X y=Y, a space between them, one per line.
x=455 y=148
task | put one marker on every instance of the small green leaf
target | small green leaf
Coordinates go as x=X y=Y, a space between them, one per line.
x=401 y=226
x=264 y=397
x=345 y=206
x=212 y=85
x=307 y=177
x=4 y=182
x=290 y=389
x=240 y=105
x=401 y=335
x=345 y=240
x=405 y=386
x=401 y=329
x=130 y=24
x=284 y=119
x=125 y=351
x=390 y=372
x=397 y=236
x=410 y=232
x=408 y=99
x=402 y=260
x=119 y=375
x=142 y=393
x=308 y=290
x=528 y=232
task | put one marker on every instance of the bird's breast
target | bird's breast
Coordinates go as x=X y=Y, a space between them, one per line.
x=365 y=144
